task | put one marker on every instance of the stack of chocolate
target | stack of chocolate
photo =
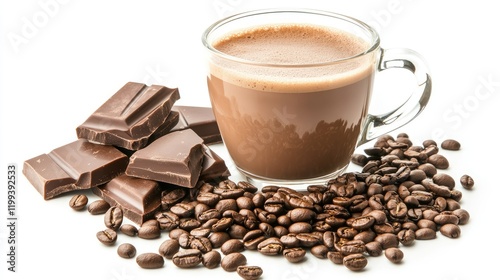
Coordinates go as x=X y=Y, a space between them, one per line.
x=131 y=149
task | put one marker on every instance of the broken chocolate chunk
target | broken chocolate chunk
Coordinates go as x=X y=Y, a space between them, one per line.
x=77 y=165
x=201 y=120
x=138 y=198
x=130 y=116
x=174 y=158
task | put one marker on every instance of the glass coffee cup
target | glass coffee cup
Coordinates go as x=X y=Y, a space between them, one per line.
x=291 y=91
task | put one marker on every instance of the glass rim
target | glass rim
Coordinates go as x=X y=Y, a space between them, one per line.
x=375 y=43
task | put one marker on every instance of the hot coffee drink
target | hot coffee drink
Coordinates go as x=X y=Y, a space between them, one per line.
x=294 y=121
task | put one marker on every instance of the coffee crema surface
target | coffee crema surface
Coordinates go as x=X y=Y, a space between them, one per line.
x=301 y=117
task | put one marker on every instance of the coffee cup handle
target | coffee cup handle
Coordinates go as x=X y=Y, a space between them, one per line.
x=377 y=125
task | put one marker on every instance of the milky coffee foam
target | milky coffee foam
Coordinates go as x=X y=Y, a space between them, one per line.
x=292 y=45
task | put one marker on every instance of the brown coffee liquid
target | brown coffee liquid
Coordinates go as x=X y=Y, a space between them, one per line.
x=291 y=123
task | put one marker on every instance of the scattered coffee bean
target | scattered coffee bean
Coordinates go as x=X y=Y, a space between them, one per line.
x=450 y=230
x=450 y=144
x=107 y=236
x=149 y=230
x=294 y=255
x=395 y=255
x=399 y=197
x=78 y=202
x=439 y=161
x=467 y=182
x=232 y=246
x=169 y=248
x=150 y=260
x=113 y=218
x=249 y=272
x=98 y=207
x=126 y=250
x=232 y=261
x=188 y=258
x=355 y=262
x=128 y=229
x=211 y=259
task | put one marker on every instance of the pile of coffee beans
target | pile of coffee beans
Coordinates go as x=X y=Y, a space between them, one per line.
x=400 y=196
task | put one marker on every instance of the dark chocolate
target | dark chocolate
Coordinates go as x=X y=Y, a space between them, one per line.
x=130 y=116
x=77 y=165
x=214 y=167
x=174 y=158
x=201 y=120
x=138 y=198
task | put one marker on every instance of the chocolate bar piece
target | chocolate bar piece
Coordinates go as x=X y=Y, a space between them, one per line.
x=201 y=120
x=77 y=165
x=214 y=166
x=130 y=116
x=174 y=158
x=138 y=198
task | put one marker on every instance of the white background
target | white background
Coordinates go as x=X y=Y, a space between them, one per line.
x=60 y=60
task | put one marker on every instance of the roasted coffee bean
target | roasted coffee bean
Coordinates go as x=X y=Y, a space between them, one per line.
x=436 y=189
x=439 y=161
x=374 y=248
x=245 y=203
x=467 y=182
x=78 y=202
x=290 y=240
x=294 y=255
x=320 y=251
x=425 y=223
x=425 y=234
x=450 y=230
x=211 y=259
x=201 y=231
x=182 y=210
x=395 y=255
x=301 y=215
x=463 y=216
x=98 y=207
x=226 y=204
x=387 y=240
x=107 y=236
x=335 y=257
x=446 y=217
x=129 y=229
x=149 y=230
x=270 y=247
x=222 y=225
x=169 y=248
x=126 y=250
x=218 y=238
x=406 y=236
x=359 y=159
x=201 y=243
x=300 y=227
x=113 y=218
x=167 y=220
x=232 y=246
x=248 y=187
x=444 y=180
x=171 y=197
x=189 y=224
x=150 y=260
x=355 y=262
x=363 y=222
x=188 y=258
x=352 y=247
x=232 y=261
x=237 y=231
x=176 y=233
x=450 y=144
x=365 y=236
x=208 y=198
x=249 y=272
